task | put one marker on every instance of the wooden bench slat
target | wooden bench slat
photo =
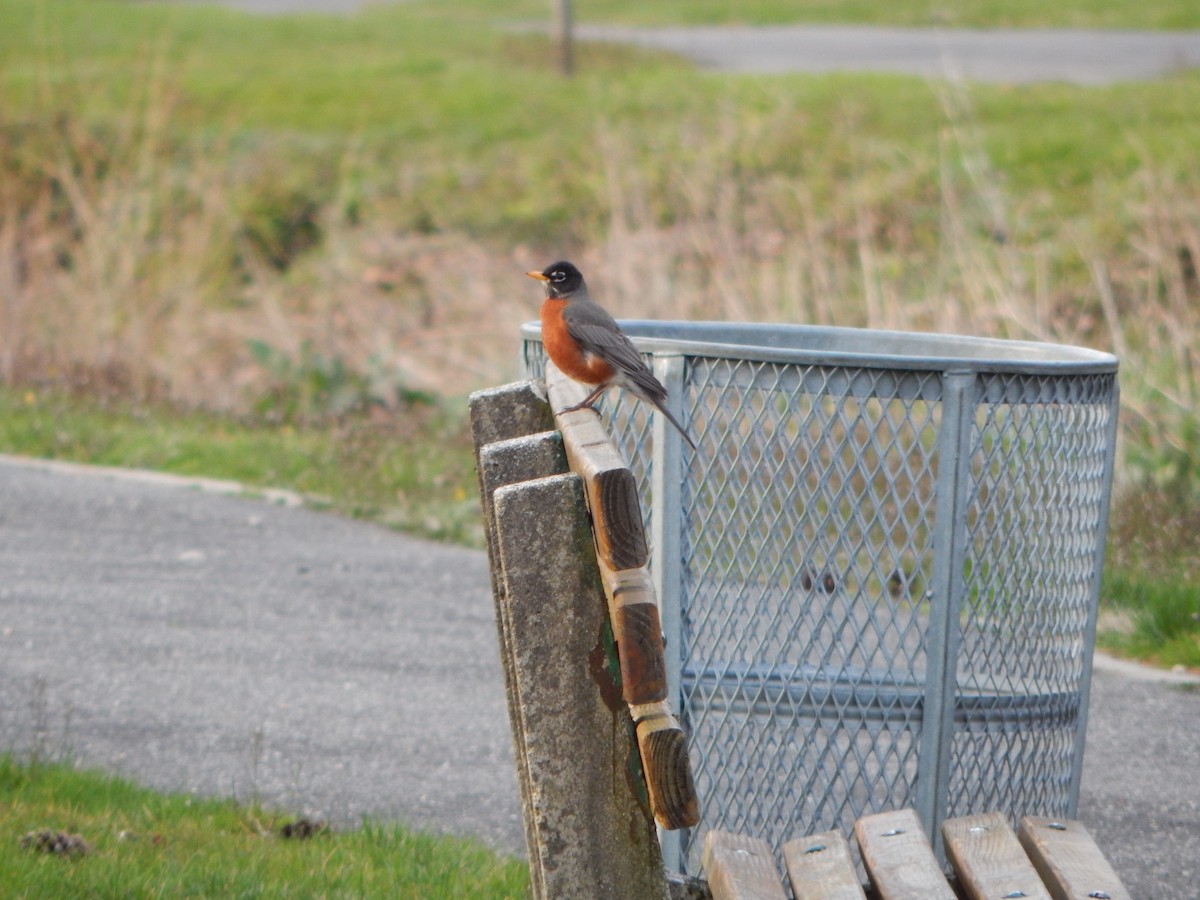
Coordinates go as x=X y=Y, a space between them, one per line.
x=988 y=859
x=513 y=433
x=899 y=858
x=820 y=868
x=740 y=868
x=611 y=488
x=1068 y=860
x=638 y=629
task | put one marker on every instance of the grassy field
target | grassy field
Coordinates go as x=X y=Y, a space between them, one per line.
x=410 y=469
x=283 y=249
x=141 y=844
x=373 y=187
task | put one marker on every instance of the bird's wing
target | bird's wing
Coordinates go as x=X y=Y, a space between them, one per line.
x=597 y=332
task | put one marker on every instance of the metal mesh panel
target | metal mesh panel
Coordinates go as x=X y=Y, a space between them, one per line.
x=887 y=571
x=807 y=540
x=1038 y=495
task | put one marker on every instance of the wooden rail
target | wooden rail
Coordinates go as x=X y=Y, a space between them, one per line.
x=622 y=555
x=1051 y=859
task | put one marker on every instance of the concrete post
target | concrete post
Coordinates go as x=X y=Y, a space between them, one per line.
x=596 y=838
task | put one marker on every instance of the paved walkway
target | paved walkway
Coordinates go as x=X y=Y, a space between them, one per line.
x=231 y=646
x=1007 y=56
x=242 y=647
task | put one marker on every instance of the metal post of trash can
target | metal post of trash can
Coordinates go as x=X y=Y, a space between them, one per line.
x=666 y=485
x=1089 y=638
x=945 y=598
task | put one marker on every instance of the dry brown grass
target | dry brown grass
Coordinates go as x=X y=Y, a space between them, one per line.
x=126 y=262
x=126 y=266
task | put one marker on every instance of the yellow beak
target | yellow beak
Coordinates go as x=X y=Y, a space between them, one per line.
x=538 y=275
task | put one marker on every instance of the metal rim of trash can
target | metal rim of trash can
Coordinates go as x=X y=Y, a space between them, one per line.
x=861 y=347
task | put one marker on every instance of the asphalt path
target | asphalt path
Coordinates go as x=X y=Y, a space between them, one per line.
x=1088 y=57
x=231 y=646
x=193 y=639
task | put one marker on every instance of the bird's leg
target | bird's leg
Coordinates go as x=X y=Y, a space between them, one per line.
x=587 y=401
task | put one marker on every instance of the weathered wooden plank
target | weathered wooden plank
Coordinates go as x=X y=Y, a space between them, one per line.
x=641 y=650
x=620 y=535
x=1067 y=858
x=622 y=555
x=899 y=858
x=509 y=411
x=513 y=442
x=594 y=836
x=820 y=867
x=611 y=487
x=668 y=770
x=988 y=859
x=514 y=411
x=739 y=867
x=639 y=635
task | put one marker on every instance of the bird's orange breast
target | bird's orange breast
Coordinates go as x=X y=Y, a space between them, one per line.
x=565 y=352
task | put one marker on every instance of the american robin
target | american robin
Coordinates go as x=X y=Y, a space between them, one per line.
x=587 y=345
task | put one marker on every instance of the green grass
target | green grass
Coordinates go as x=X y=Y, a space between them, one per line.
x=1165 y=619
x=410 y=469
x=505 y=148
x=1153 y=577
x=146 y=844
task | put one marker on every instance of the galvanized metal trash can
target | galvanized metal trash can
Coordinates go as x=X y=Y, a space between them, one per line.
x=879 y=571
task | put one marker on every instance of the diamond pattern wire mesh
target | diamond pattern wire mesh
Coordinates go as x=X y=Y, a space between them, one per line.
x=1038 y=454
x=806 y=548
x=809 y=540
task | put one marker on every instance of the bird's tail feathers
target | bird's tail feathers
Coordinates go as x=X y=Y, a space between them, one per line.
x=674 y=421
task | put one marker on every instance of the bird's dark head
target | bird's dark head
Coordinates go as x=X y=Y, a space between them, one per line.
x=561 y=279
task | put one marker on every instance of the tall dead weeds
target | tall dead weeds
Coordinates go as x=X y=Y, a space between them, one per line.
x=124 y=264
